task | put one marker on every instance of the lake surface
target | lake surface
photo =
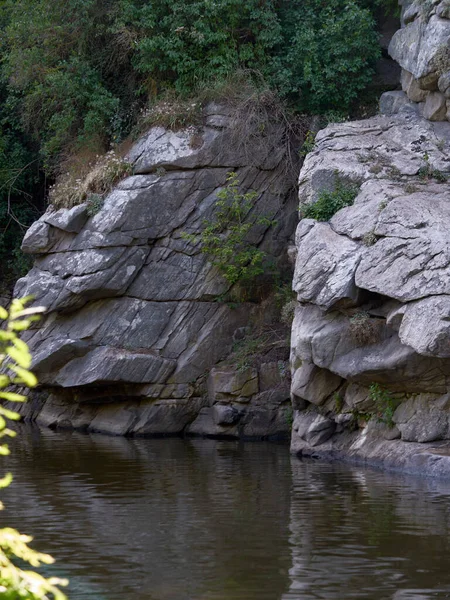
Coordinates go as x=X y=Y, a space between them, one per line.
x=172 y=519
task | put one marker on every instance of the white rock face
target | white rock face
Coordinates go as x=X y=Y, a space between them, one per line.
x=373 y=288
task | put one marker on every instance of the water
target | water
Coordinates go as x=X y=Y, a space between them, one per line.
x=173 y=519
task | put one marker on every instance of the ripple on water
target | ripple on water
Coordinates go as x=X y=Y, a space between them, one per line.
x=180 y=519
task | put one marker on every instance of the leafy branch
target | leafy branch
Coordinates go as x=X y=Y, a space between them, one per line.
x=15 y=363
x=224 y=239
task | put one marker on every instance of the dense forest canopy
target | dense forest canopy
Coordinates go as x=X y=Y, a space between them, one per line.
x=76 y=74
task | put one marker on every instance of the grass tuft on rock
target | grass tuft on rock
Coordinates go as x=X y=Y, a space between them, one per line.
x=330 y=202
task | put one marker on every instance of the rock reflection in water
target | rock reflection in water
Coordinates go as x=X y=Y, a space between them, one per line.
x=161 y=519
x=367 y=535
x=173 y=519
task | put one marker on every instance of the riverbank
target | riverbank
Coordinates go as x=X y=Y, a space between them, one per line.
x=364 y=448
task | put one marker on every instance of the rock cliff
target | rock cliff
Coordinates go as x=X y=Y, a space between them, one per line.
x=370 y=350
x=140 y=330
x=138 y=322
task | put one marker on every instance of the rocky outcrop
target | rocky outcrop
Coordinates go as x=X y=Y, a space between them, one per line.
x=422 y=49
x=137 y=314
x=370 y=350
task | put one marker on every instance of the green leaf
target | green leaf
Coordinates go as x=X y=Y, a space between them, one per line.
x=9 y=414
x=24 y=376
x=12 y=397
x=6 y=480
x=4 y=381
x=21 y=357
x=20 y=325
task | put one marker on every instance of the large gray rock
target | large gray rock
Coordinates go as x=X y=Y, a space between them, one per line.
x=421 y=47
x=136 y=311
x=393 y=102
x=325 y=266
x=416 y=46
x=371 y=328
x=315 y=429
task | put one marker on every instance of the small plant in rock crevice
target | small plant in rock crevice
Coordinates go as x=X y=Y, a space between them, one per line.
x=369 y=238
x=394 y=173
x=338 y=402
x=384 y=404
x=289 y=417
x=363 y=329
x=410 y=188
x=224 y=239
x=94 y=204
x=308 y=144
x=358 y=416
x=330 y=202
x=428 y=172
x=288 y=312
x=286 y=302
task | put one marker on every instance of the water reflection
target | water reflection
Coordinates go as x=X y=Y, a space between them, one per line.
x=156 y=519
x=207 y=520
x=367 y=535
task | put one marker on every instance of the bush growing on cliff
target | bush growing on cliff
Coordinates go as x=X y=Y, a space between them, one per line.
x=224 y=238
x=385 y=404
x=15 y=360
x=328 y=53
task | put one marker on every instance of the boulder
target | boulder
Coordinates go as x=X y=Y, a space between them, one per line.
x=313 y=428
x=393 y=102
x=411 y=87
x=435 y=108
x=417 y=46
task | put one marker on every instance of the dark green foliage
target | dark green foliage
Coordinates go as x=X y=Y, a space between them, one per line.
x=184 y=42
x=329 y=202
x=308 y=144
x=58 y=72
x=328 y=53
x=18 y=180
x=80 y=70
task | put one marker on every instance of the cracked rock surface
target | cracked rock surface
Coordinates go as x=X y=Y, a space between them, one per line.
x=373 y=289
x=135 y=321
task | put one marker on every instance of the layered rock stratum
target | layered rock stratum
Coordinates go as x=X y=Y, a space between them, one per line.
x=137 y=321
